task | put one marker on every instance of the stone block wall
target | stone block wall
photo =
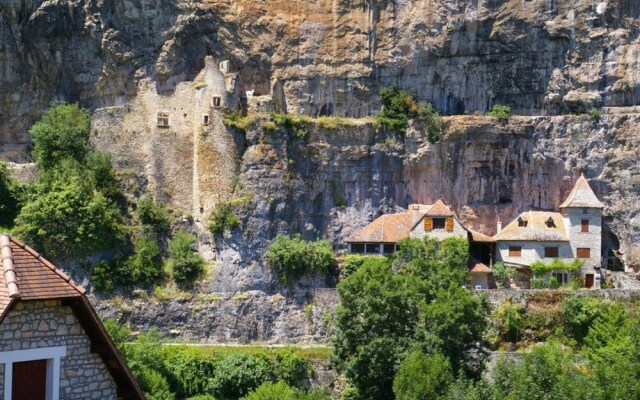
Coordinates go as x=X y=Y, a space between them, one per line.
x=39 y=324
x=440 y=234
x=532 y=251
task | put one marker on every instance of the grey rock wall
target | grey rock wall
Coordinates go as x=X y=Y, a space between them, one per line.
x=320 y=57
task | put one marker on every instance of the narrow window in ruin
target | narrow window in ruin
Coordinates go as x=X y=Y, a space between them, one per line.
x=217 y=101
x=205 y=120
x=163 y=119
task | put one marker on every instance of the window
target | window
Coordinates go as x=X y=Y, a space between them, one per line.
x=217 y=101
x=163 y=119
x=439 y=223
x=584 y=225
x=585 y=211
x=205 y=120
x=39 y=368
x=550 y=223
x=584 y=252
x=515 y=251
x=561 y=277
x=551 y=252
x=389 y=248
x=357 y=248
x=522 y=223
x=372 y=248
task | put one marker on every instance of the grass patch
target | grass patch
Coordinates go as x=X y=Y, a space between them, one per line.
x=318 y=353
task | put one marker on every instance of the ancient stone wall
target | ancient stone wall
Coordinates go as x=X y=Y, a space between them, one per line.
x=38 y=324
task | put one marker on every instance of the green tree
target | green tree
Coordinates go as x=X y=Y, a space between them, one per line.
x=500 y=112
x=144 y=266
x=579 y=313
x=238 y=374
x=10 y=197
x=510 y=320
x=186 y=264
x=62 y=132
x=273 y=391
x=119 y=333
x=422 y=377
x=292 y=368
x=292 y=257
x=504 y=273
x=68 y=220
x=153 y=217
x=397 y=107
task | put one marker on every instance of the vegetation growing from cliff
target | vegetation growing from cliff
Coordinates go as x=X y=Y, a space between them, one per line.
x=10 y=197
x=500 y=112
x=223 y=218
x=292 y=257
x=185 y=263
x=399 y=106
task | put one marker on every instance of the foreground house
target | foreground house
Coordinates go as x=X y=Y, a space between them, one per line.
x=435 y=221
x=52 y=343
x=573 y=232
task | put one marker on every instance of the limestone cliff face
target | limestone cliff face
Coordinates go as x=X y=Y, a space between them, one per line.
x=322 y=56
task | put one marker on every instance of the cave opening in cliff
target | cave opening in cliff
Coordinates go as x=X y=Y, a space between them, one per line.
x=611 y=255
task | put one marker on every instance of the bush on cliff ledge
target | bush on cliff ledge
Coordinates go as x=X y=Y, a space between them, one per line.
x=292 y=257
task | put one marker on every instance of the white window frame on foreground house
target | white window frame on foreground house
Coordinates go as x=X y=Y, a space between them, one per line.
x=51 y=354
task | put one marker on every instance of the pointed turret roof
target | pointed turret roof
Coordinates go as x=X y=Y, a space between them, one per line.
x=582 y=196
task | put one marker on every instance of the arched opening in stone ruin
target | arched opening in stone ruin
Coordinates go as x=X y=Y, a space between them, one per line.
x=217 y=101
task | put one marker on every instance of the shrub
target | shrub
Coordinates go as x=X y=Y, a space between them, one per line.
x=152 y=216
x=10 y=197
x=69 y=220
x=102 y=277
x=190 y=372
x=273 y=391
x=500 y=112
x=431 y=121
x=510 y=320
x=353 y=262
x=539 y=283
x=503 y=273
x=119 y=333
x=595 y=113
x=292 y=368
x=292 y=257
x=238 y=374
x=62 y=132
x=186 y=264
x=579 y=313
x=397 y=107
x=153 y=383
x=223 y=218
x=236 y=120
x=103 y=176
x=422 y=377
x=297 y=124
x=145 y=266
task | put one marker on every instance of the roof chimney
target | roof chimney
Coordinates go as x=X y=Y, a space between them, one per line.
x=415 y=214
x=499 y=226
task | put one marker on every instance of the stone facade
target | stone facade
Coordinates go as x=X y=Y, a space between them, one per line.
x=532 y=252
x=592 y=239
x=40 y=324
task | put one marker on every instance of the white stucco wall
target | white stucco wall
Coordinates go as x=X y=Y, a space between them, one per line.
x=440 y=234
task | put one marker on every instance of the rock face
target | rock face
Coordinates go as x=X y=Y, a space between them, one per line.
x=321 y=57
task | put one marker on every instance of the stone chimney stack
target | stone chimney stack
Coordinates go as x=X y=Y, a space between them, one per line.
x=499 y=226
x=415 y=213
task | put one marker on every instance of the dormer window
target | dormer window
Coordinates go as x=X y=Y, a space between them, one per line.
x=522 y=223
x=550 y=223
x=217 y=101
x=163 y=119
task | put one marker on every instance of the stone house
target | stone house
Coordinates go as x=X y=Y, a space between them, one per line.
x=52 y=343
x=573 y=232
x=435 y=221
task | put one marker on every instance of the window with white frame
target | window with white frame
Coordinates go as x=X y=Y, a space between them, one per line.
x=33 y=373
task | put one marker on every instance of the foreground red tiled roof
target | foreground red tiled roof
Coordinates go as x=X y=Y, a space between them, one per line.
x=388 y=228
x=28 y=276
x=477 y=266
x=582 y=196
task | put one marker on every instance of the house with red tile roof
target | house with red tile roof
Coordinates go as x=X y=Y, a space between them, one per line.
x=52 y=343
x=575 y=231
x=435 y=221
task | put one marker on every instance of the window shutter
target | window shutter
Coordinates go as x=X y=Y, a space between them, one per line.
x=428 y=224
x=450 y=224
